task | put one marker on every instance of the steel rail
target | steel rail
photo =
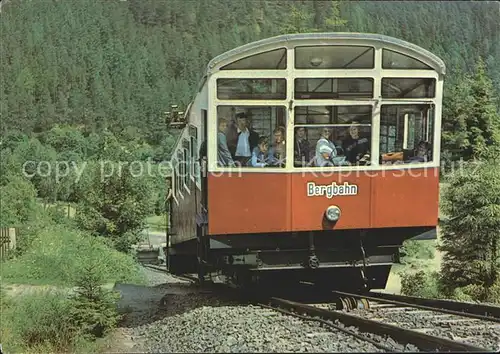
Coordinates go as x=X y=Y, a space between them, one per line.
x=489 y=311
x=401 y=335
x=435 y=307
x=354 y=334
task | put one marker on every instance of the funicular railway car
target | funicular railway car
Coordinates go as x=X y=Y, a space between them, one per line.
x=308 y=157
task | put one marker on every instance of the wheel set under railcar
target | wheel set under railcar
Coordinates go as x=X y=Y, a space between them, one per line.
x=239 y=214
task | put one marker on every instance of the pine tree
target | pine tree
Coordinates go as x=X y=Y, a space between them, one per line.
x=471 y=234
x=484 y=119
x=471 y=121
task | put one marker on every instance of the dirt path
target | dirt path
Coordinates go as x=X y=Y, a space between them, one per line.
x=141 y=305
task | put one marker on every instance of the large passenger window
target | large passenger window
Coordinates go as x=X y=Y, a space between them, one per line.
x=408 y=87
x=251 y=89
x=251 y=136
x=332 y=135
x=406 y=133
x=334 y=57
x=330 y=88
x=274 y=59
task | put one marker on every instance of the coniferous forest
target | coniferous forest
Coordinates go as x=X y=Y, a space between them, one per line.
x=85 y=81
x=120 y=64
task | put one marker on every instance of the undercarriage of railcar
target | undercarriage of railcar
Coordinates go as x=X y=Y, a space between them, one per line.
x=349 y=260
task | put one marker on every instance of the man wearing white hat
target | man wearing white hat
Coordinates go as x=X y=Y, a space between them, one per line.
x=325 y=156
x=325 y=149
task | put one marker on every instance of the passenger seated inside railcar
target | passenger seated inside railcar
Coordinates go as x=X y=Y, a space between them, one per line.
x=260 y=155
x=422 y=153
x=405 y=131
x=356 y=148
x=345 y=129
x=301 y=150
x=245 y=125
x=325 y=156
x=324 y=140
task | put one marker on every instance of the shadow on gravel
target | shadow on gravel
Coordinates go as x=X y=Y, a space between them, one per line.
x=142 y=305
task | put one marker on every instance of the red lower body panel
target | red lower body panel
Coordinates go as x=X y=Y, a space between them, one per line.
x=280 y=202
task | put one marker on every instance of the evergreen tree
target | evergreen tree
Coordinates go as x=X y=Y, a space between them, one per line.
x=471 y=120
x=484 y=121
x=471 y=234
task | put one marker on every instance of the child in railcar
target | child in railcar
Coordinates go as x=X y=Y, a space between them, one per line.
x=260 y=156
x=277 y=152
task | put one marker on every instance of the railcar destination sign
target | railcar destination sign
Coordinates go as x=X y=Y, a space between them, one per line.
x=331 y=190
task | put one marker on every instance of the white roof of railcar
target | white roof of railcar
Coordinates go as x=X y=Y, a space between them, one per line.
x=324 y=38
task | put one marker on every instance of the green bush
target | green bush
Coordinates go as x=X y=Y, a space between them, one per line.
x=43 y=322
x=57 y=254
x=422 y=284
x=474 y=292
x=38 y=319
x=423 y=249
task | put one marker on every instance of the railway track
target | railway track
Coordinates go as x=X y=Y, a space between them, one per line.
x=476 y=324
x=472 y=310
x=464 y=309
x=340 y=319
x=381 y=315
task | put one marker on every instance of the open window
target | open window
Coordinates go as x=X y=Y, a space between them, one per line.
x=251 y=136
x=332 y=135
x=406 y=133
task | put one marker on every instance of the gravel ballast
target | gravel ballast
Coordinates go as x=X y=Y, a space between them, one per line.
x=171 y=315
x=482 y=334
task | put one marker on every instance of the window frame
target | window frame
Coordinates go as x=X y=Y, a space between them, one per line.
x=213 y=126
x=284 y=80
x=292 y=73
x=193 y=137
x=336 y=125
x=367 y=46
x=287 y=64
x=371 y=79
x=430 y=116
x=433 y=85
x=186 y=148
x=384 y=50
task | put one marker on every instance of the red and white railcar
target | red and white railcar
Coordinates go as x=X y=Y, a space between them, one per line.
x=351 y=167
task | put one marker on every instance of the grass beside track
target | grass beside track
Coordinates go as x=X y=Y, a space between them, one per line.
x=37 y=316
